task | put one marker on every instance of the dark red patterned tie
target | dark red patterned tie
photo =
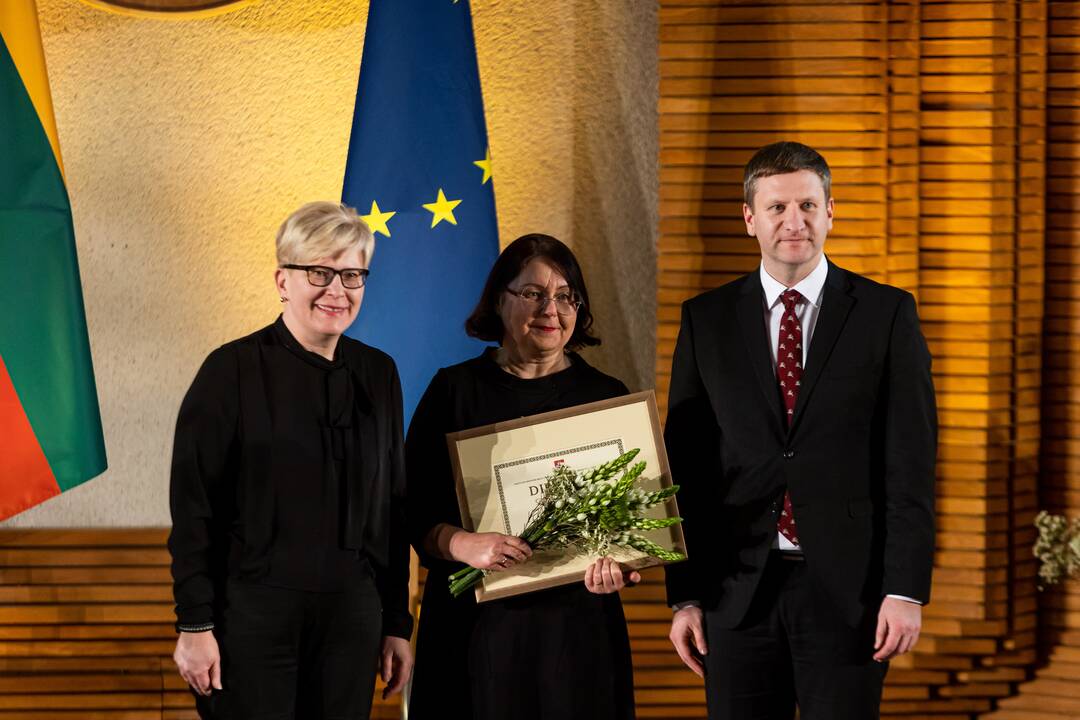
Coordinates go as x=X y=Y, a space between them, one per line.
x=789 y=355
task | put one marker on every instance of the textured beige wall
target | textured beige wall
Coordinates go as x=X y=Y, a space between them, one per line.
x=186 y=143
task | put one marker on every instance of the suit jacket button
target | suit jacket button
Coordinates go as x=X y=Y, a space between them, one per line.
x=788 y=454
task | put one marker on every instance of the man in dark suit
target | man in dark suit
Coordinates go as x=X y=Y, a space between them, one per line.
x=802 y=428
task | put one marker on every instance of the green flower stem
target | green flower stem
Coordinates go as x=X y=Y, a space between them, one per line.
x=466 y=580
x=461 y=573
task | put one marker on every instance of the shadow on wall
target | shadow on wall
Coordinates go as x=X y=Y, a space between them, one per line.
x=616 y=181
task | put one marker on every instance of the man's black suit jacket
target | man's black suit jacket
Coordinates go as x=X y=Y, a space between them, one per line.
x=858 y=458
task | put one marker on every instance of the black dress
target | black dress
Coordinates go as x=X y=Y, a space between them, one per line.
x=287 y=498
x=559 y=653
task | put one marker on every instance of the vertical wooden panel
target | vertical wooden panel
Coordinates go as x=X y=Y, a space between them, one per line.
x=904 y=123
x=1020 y=650
x=841 y=77
x=968 y=225
x=737 y=76
x=1052 y=694
x=935 y=123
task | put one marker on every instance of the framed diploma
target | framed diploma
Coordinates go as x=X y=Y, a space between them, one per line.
x=501 y=469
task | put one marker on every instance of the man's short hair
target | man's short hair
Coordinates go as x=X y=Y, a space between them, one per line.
x=780 y=159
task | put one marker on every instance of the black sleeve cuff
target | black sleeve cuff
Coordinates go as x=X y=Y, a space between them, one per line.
x=189 y=616
x=397 y=624
x=201 y=627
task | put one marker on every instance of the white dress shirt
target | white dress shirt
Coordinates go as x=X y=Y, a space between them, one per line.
x=811 y=288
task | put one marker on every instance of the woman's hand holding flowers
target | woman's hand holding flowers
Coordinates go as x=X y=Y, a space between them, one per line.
x=489 y=550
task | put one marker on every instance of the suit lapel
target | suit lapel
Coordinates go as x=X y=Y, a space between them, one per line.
x=752 y=323
x=836 y=303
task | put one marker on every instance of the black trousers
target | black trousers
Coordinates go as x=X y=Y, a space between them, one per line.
x=295 y=655
x=792 y=649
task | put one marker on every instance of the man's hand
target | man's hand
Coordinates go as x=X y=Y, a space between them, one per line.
x=899 y=623
x=606 y=576
x=688 y=637
x=199 y=661
x=395 y=664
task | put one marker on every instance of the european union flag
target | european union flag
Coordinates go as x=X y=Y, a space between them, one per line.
x=419 y=171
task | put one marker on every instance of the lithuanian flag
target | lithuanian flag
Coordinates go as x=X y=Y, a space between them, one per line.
x=50 y=427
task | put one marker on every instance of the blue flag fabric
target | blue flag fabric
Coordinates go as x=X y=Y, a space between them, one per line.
x=419 y=172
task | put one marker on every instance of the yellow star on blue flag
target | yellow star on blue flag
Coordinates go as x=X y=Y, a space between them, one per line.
x=376 y=219
x=484 y=165
x=417 y=132
x=442 y=209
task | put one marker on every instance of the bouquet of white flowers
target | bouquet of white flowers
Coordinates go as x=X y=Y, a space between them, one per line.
x=591 y=511
x=1058 y=547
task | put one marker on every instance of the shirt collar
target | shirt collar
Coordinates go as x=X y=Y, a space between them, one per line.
x=809 y=287
x=294 y=346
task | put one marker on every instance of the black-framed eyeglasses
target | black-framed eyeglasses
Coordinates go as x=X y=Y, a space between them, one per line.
x=321 y=276
x=566 y=302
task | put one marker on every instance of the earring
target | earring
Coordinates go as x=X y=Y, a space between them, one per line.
x=284 y=299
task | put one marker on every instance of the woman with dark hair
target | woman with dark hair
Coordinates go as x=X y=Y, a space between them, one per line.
x=558 y=653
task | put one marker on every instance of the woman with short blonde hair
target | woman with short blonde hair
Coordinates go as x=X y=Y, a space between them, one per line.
x=323 y=229
x=289 y=558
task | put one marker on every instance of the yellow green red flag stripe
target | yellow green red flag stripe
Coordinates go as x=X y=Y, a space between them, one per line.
x=50 y=426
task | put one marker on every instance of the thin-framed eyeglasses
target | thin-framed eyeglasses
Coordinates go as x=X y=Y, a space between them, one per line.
x=566 y=302
x=322 y=276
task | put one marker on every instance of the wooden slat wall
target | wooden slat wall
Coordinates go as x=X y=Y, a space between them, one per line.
x=663 y=688
x=854 y=93
x=1054 y=693
x=1020 y=645
x=982 y=139
x=904 y=124
x=86 y=628
x=737 y=75
x=967 y=226
x=934 y=115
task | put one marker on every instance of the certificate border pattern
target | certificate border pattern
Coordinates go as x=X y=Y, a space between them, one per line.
x=521 y=461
